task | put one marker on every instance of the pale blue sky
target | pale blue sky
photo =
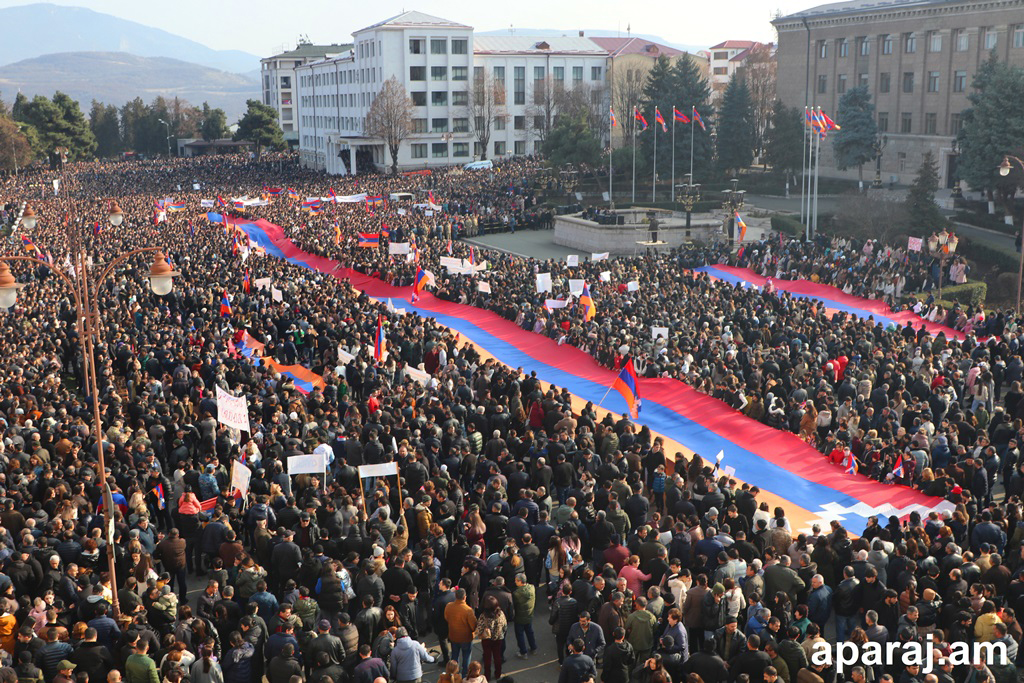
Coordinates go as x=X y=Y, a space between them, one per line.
x=263 y=26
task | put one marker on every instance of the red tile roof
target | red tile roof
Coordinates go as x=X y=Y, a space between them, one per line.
x=735 y=45
x=635 y=46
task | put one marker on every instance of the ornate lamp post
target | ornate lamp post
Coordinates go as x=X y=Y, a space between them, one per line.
x=83 y=286
x=1004 y=170
x=942 y=246
x=689 y=195
x=880 y=142
x=732 y=203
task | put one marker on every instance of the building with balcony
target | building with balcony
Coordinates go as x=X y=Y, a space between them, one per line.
x=277 y=75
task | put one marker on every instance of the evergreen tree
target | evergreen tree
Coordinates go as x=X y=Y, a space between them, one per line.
x=59 y=123
x=572 y=141
x=215 y=123
x=736 y=127
x=991 y=127
x=784 y=147
x=854 y=142
x=15 y=150
x=106 y=128
x=259 y=126
x=923 y=213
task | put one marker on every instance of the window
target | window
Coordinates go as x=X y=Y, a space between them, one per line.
x=439 y=150
x=417 y=73
x=862 y=80
x=538 y=123
x=901 y=158
x=419 y=99
x=439 y=73
x=721 y=55
x=1018 y=35
x=460 y=98
x=419 y=150
x=519 y=89
x=478 y=121
x=439 y=98
x=864 y=46
x=954 y=124
x=439 y=125
x=477 y=149
x=519 y=122
x=577 y=75
x=822 y=84
x=558 y=73
x=419 y=125
x=934 y=42
x=520 y=147
x=417 y=46
x=478 y=74
x=909 y=43
x=538 y=73
x=460 y=73
x=883 y=82
x=844 y=48
x=596 y=73
x=990 y=38
x=930 y=123
x=499 y=75
x=438 y=46
x=886 y=44
x=959 y=81
x=499 y=148
x=461 y=125
x=822 y=49
x=961 y=40
x=906 y=122
x=721 y=71
x=908 y=81
x=933 y=81
x=499 y=123
x=460 y=149
x=883 y=122
x=460 y=46
x=841 y=83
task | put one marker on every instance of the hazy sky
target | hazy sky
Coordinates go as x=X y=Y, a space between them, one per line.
x=263 y=27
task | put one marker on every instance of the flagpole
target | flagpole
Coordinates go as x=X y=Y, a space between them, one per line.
x=803 y=171
x=654 y=171
x=692 y=124
x=673 y=154
x=611 y=149
x=817 y=167
x=634 y=155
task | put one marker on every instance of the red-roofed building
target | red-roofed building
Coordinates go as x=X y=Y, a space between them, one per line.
x=727 y=58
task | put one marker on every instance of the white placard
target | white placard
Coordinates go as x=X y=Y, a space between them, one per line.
x=721 y=454
x=314 y=463
x=240 y=476
x=195 y=186
x=398 y=247
x=206 y=203
x=56 y=186
x=276 y=294
x=576 y=286
x=262 y=283
x=417 y=375
x=606 y=276
x=572 y=260
x=543 y=282
x=428 y=212
x=232 y=411
x=384 y=469
x=484 y=287
x=600 y=257
x=555 y=303
x=401 y=212
x=633 y=286
x=659 y=332
x=344 y=357
x=451 y=262
x=729 y=471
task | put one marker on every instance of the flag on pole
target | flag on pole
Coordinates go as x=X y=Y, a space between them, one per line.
x=449 y=247
x=337 y=233
x=221 y=202
x=246 y=282
x=369 y=239
x=640 y=118
x=29 y=245
x=626 y=384
x=208 y=504
x=378 y=340
x=97 y=229
x=679 y=116
x=292 y=194
x=385 y=230
x=422 y=279
x=589 y=310
x=158 y=491
x=225 y=304
x=741 y=225
x=697 y=119
x=897 y=470
x=472 y=256
x=658 y=118
x=611 y=114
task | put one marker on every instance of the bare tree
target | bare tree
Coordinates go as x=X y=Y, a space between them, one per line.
x=486 y=105
x=551 y=100
x=760 y=72
x=390 y=117
x=627 y=88
x=546 y=94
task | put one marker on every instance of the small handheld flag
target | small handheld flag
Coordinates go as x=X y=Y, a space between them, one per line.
x=246 y=283
x=369 y=240
x=385 y=230
x=337 y=234
x=658 y=118
x=292 y=194
x=897 y=470
x=697 y=119
x=851 y=464
x=587 y=303
x=97 y=229
x=378 y=339
x=158 y=491
x=421 y=281
x=29 y=244
x=741 y=226
x=679 y=116
x=225 y=304
x=626 y=384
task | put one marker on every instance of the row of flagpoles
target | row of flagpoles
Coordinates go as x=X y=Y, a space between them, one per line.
x=694 y=119
x=818 y=125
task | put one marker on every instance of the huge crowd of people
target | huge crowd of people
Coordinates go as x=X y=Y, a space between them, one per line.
x=512 y=513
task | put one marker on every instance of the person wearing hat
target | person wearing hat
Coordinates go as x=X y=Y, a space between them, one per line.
x=326 y=643
x=65 y=672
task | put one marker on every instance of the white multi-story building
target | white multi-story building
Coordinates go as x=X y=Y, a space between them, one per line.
x=444 y=69
x=726 y=58
x=278 y=76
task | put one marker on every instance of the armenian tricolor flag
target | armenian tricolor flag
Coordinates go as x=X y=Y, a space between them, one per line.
x=385 y=230
x=274 y=191
x=158 y=491
x=331 y=194
x=741 y=226
x=29 y=244
x=378 y=339
x=97 y=228
x=375 y=200
x=472 y=256
x=679 y=116
x=292 y=194
x=172 y=208
x=246 y=283
x=589 y=310
x=225 y=304
x=208 y=504
x=611 y=115
x=640 y=117
x=337 y=234
x=697 y=119
x=658 y=118
x=220 y=201
x=310 y=204
x=369 y=239
x=422 y=280
x=626 y=384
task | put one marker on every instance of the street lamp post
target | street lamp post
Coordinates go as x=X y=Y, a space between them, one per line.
x=690 y=195
x=1004 y=170
x=942 y=246
x=89 y=327
x=880 y=142
x=168 y=127
x=732 y=203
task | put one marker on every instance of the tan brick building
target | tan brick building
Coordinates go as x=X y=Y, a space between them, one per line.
x=918 y=59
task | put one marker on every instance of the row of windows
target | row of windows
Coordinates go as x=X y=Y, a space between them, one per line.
x=347 y=76
x=368 y=48
x=906 y=123
x=354 y=99
x=333 y=122
x=438 y=73
x=908 y=82
x=933 y=40
x=439 y=98
x=439 y=150
x=438 y=46
x=461 y=125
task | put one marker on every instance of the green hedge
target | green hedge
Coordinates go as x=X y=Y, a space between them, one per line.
x=789 y=225
x=984 y=220
x=986 y=258
x=969 y=294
